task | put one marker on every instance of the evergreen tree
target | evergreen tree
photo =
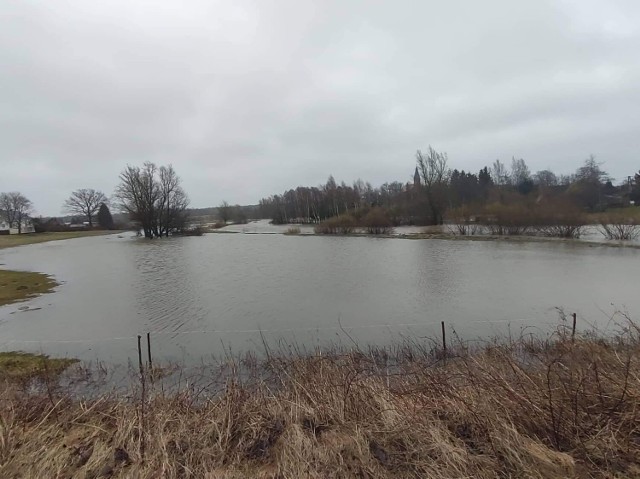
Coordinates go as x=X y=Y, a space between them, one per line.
x=105 y=219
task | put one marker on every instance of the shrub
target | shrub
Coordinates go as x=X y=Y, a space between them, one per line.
x=195 y=231
x=513 y=219
x=463 y=222
x=546 y=218
x=342 y=225
x=292 y=231
x=562 y=231
x=560 y=220
x=377 y=222
x=619 y=227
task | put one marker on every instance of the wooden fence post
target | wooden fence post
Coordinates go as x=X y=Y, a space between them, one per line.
x=142 y=399
x=149 y=352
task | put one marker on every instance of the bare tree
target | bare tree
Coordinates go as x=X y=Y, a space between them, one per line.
x=520 y=172
x=499 y=173
x=137 y=195
x=588 y=184
x=16 y=207
x=85 y=202
x=224 y=211
x=546 y=178
x=435 y=177
x=153 y=197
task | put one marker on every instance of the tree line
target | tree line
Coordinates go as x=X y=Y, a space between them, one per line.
x=437 y=190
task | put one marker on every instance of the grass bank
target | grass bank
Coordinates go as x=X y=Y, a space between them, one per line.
x=20 y=366
x=9 y=241
x=535 y=408
x=18 y=286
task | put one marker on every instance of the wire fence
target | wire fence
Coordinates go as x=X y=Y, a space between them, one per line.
x=339 y=327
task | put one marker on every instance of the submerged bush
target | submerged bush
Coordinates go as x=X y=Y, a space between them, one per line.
x=544 y=218
x=463 y=222
x=338 y=225
x=560 y=220
x=511 y=220
x=294 y=230
x=619 y=227
x=377 y=222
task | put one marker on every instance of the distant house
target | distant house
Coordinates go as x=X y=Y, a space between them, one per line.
x=6 y=229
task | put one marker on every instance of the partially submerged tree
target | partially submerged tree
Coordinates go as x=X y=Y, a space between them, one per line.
x=153 y=197
x=105 y=220
x=85 y=202
x=225 y=211
x=16 y=208
x=434 y=172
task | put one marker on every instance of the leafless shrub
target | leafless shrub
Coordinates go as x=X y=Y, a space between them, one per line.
x=342 y=225
x=511 y=220
x=377 y=222
x=294 y=230
x=462 y=221
x=619 y=227
x=545 y=218
x=559 y=220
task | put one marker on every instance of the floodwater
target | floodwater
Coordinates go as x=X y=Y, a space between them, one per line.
x=219 y=293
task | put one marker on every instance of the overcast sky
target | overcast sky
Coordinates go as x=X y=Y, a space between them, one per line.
x=248 y=98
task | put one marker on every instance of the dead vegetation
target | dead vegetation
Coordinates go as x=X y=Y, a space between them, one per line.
x=619 y=227
x=551 y=408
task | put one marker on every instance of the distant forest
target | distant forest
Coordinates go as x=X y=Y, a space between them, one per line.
x=438 y=192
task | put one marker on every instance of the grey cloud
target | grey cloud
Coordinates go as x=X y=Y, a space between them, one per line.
x=248 y=98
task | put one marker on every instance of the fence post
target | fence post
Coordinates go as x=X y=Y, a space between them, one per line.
x=149 y=352
x=573 y=328
x=142 y=399
x=444 y=339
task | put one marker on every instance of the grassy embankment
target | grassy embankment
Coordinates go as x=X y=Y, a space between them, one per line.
x=528 y=408
x=9 y=241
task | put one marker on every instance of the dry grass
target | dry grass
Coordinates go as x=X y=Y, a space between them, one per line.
x=527 y=408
